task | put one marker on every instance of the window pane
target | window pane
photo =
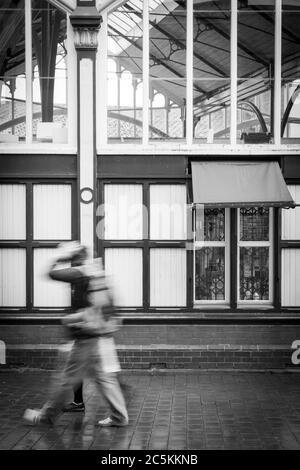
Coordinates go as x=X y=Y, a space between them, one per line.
x=254 y=273
x=123 y=211
x=210 y=273
x=211 y=71
x=167 y=277
x=125 y=80
x=48 y=293
x=290 y=96
x=13 y=277
x=254 y=224
x=12 y=72
x=125 y=265
x=214 y=225
x=256 y=19
x=167 y=212
x=52 y=211
x=291 y=218
x=290 y=277
x=12 y=212
x=49 y=86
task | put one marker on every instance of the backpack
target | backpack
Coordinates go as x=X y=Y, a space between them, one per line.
x=100 y=318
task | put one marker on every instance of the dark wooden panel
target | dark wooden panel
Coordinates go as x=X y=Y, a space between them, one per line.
x=142 y=166
x=31 y=166
x=291 y=167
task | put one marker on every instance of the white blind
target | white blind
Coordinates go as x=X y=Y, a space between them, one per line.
x=123 y=211
x=12 y=277
x=291 y=217
x=167 y=277
x=52 y=211
x=12 y=211
x=290 y=280
x=124 y=265
x=48 y=293
x=167 y=212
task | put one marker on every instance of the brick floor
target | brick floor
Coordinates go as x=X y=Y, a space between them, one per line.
x=199 y=410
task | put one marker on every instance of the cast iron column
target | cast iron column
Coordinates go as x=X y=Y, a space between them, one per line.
x=86 y=22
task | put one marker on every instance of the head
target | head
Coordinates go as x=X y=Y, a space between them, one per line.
x=79 y=257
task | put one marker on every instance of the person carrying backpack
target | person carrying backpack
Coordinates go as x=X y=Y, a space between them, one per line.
x=91 y=327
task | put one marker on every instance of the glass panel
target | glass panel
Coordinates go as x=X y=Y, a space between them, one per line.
x=210 y=273
x=291 y=5
x=125 y=67
x=211 y=71
x=290 y=98
x=255 y=70
x=254 y=224
x=49 y=56
x=52 y=211
x=167 y=277
x=48 y=293
x=12 y=71
x=254 y=273
x=167 y=212
x=125 y=266
x=262 y=5
x=12 y=212
x=214 y=225
x=123 y=212
x=211 y=110
x=167 y=109
x=13 y=277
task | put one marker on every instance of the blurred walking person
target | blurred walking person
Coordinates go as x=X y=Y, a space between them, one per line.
x=91 y=327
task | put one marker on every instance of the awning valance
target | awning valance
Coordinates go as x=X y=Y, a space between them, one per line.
x=239 y=184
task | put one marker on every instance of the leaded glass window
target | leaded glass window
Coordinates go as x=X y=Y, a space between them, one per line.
x=254 y=254
x=211 y=256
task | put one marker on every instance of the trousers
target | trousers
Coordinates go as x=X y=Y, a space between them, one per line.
x=86 y=359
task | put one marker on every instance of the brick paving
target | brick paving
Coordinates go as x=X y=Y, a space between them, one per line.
x=184 y=410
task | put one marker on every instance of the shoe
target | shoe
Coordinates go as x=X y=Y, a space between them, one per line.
x=35 y=418
x=73 y=407
x=112 y=422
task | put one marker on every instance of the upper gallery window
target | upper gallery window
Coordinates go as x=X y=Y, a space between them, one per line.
x=175 y=74
x=33 y=73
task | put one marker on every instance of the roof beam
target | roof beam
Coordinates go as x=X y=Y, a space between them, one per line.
x=181 y=45
x=241 y=46
x=153 y=57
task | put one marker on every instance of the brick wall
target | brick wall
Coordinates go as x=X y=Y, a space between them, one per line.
x=164 y=346
x=166 y=358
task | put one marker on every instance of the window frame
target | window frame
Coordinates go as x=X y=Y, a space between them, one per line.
x=145 y=243
x=256 y=244
x=30 y=244
x=226 y=245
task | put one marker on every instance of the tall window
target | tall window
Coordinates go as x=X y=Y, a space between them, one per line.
x=211 y=256
x=217 y=256
x=35 y=218
x=33 y=83
x=255 y=254
x=142 y=238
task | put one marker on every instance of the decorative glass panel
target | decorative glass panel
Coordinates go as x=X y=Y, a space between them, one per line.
x=214 y=225
x=254 y=273
x=254 y=224
x=210 y=273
